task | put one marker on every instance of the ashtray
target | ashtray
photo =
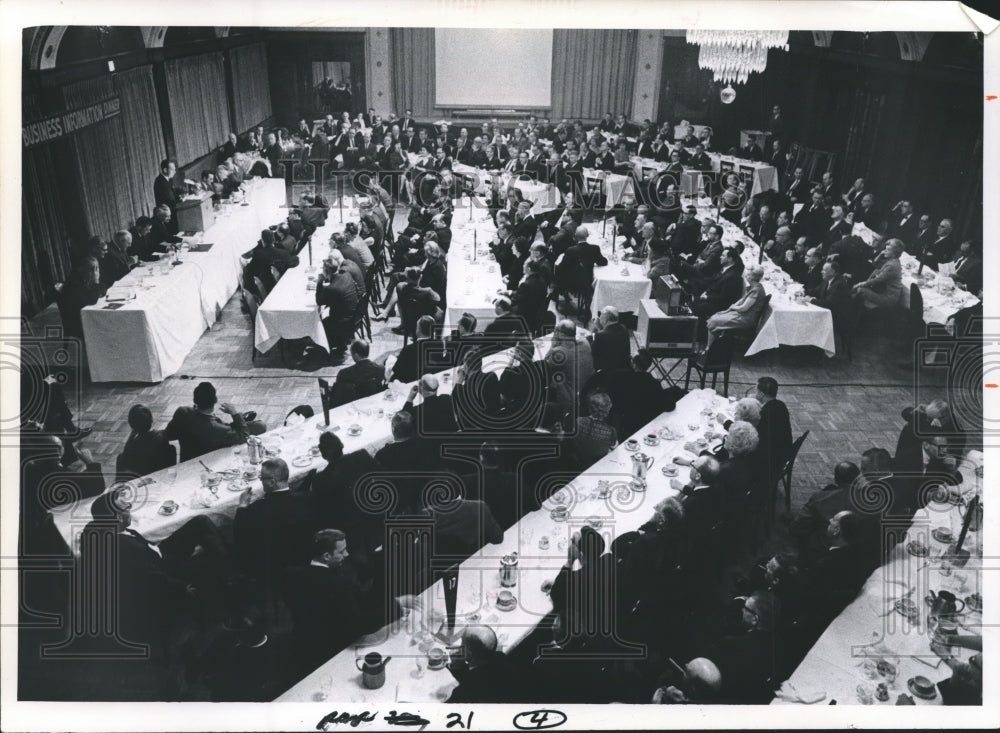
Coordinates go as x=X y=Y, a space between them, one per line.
x=168 y=507
x=942 y=534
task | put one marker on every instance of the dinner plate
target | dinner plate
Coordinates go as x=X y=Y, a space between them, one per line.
x=238 y=486
x=915 y=549
x=302 y=461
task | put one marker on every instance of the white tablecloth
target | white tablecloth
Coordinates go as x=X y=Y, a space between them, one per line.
x=182 y=483
x=478 y=581
x=472 y=285
x=871 y=628
x=544 y=196
x=941 y=299
x=614 y=186
x=765 y=177
x=149 y=337
x=290 y=310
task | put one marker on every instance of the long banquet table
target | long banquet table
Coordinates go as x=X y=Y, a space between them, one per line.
x=145 y=338
x=182 y=483
x=941 y=298
x=289 y=311
x=838 y=667
x=765 y=177
x=473 y=279
x=622 y=511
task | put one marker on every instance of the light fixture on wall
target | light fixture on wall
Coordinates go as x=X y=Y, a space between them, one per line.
x=733 y=55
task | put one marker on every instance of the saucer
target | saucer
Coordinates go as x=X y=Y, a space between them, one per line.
x=558 y=517
x=974 y=602
x=630 y=449
x=651 y=442
x=912 y=686
x=916 y=549
x=942 y=534
x=168 y=510
x=354 y=431
x=507 y=606
x=669 y=470
x=302 y=461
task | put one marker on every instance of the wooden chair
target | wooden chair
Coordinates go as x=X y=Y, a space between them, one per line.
x=745 y=336
x=786 y=479
x=715 y=361
x=361 y=320
x=276 y=274
x=262 y=290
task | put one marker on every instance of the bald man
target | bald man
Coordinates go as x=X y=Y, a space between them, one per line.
x=700 y=684
x=575 y=272
x=610 y=343
x=483 y=673
x=435 y=415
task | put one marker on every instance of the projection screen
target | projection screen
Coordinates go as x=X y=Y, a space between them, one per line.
x=493 y=67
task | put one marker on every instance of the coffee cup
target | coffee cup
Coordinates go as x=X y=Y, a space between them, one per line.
x=354 y=429
x=505 y=599
x=632 y=444
x=437 y=658
x=669 y=470
x=314 y=451
x=169 y=506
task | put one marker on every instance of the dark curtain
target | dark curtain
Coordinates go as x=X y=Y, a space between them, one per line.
x=251 y=92
x=101 y=165
x=196 y=88
x=143 y=136
x=45 y=248
x=860 y=136
x=412 y=53
x=593 y=72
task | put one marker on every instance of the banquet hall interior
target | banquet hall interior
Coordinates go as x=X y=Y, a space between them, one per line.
x=573 y=365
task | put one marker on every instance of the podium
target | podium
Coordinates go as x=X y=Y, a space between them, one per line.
x=195 y=214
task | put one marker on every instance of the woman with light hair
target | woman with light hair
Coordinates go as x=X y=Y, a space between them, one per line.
x=745 y=312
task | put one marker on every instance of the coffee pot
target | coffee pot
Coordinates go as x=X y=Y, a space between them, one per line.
x=641 y=463
x=255 y=450
x=508 y=570
x=944 y=603
x=372 y=670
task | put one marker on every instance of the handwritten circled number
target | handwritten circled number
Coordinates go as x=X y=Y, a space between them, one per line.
x=539 y=719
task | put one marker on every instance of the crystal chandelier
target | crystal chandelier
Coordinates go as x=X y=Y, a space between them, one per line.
x=734 y=55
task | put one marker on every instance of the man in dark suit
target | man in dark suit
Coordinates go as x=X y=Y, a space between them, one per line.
x=143 y=246
x=797 y=190
x=435 y=415
x=262 y=258
x=762 y=225
x=751 y=151
x=575 y=273
x=407 y=122
x=699 y=160
x=199 y=431
x=273 y=532
x=146 y=450
x=942 y=248
x=364 y=377
x=775 y=431
x=160 y=232
x=331 y=603
x=707 y=264
x=334 y=492
x=492 y=483
x=967 y=267
x=834 y=292
x=838 y=227
x=407 y=452
x=723 y=290
x=574 y=174
x=164 y=192
x=924 y=235
x=903 y=225
x=118 y=260
x=530 y=299
x=831 y=192
x=484 y=674
x=777 y=157
x=865 y=212
x=813 y=219
x=610 y=343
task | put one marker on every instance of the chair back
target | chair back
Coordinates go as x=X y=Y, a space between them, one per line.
x=252 y=303
x=720 y=354
x=786 y=470
x=916 y=306
x=594 y=184
x=275 y=273
x=763 y=311
x=726 y=165
x=262 y=289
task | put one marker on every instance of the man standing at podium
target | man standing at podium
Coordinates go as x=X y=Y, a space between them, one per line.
x=165 y=194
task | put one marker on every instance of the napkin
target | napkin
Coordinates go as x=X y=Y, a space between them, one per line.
x=203 y=499
x=807 y=696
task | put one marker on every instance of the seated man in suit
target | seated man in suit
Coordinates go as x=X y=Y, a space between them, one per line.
x=834 y=292
x=363 y=378
x=146 y=450
x=160 y=231
x=484 y=674
x=335 y=498
x=337 y=289
x=751 y=662
x=199 y=431
x=884 y=286
x=272 y=533
x=722 y=291
x=262 y=258
x=610 y=342
x=435 y=415
x=530 y=299
x=143 y=246
x=408 y=366
x=331 y=601
x=967 y=267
